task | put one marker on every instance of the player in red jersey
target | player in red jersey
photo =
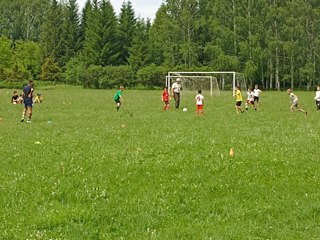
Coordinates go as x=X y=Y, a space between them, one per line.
x=165 y=98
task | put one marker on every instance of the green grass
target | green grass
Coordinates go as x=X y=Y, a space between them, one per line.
x=165 y=175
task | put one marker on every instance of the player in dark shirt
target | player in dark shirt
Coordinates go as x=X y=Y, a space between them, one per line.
x=27 y=95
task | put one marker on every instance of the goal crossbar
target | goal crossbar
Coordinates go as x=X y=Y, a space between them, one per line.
x=179 y=74
x=190 y=76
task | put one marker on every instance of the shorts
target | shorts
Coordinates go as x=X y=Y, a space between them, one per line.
x=256 y=99
x=117 y=101
x=166 y=102
x=27 y=104
x=295 y=104
x=199 y=107
x=238 y=103
x=250 y=102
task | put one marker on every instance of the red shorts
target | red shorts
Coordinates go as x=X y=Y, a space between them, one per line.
x=199 y=107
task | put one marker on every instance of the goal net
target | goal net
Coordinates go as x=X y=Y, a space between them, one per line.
x=212 y=82
x=191 y=84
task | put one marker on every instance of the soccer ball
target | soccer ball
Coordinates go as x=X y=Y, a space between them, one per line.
x=185 y=109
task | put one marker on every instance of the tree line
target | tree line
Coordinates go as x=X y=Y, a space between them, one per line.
x=273 y=43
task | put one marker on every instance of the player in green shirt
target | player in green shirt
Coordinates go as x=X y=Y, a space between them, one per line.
x=118 y=97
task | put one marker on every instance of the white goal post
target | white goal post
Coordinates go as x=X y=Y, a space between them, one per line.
x=172 y=75
x=212 y=80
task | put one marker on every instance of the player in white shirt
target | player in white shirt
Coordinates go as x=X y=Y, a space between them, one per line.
x=176 y=88
x=317 y=98
x=250 y=99
x=256 y=96
x=199 y=102
x=294 y=102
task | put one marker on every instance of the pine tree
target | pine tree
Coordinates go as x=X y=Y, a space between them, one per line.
x=126 y=30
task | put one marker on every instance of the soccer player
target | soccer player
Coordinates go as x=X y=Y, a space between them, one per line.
x=256 y=96
x=238 y=100
x=176 y=88
x=199 y=102
x=317 y=98
x=118 y=97
x=294 y=102
x=27 y=94
x=165 y=98
x=250 y=99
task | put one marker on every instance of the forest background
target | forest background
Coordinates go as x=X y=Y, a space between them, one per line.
x=273 y=43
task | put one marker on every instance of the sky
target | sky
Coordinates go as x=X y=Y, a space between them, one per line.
x=142 y=8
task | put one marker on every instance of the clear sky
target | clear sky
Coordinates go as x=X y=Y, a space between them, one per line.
x=143 y=8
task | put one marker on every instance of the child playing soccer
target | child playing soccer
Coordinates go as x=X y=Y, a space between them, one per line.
x=250 y=100
x=118 y=97
x=294 y=102
x=256 y=96
x=317 y=98
x=27 y=95
x=199 y=101
x=165 y=98
x=238 y=100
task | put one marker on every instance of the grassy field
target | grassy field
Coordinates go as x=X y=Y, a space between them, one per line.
x=81 y=170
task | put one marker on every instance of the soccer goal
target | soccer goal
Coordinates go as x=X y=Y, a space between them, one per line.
x=194 y=83
x=226 y=80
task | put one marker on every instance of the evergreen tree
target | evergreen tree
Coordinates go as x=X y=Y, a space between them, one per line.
x=138 y=52
x=93 y=37
x=70 y=31
x=52 y=33
x=126 y=30
x=109 y=40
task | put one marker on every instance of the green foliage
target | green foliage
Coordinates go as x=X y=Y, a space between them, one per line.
x=108 y=77
x=74 y=70
x=50 y=71
x=152 y=76
x=274 y=43
x=28 y=54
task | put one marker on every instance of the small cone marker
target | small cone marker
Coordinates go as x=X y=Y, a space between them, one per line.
x=231 y=153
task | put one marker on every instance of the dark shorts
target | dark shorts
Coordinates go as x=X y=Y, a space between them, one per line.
x=238 y=103
x=27 y=104
x=256 y=99
x=117 y=101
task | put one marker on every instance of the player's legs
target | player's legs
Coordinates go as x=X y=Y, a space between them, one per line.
x=29 y=114
x=23 y=113
x=177 y=99
x=238 y=107
x=256 y=102
x=118 y=104
x=247 y=105
x=201 y=109
x=166 y=106
x=318 y=105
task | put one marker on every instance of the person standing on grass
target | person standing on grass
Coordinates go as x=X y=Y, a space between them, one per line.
x=256 y=96
x=199 y=102
x=317 y=98
x=27 y=94
x=118 y=97
x=238 y=100
x=176 y=88
x=250 y=100
x=294 y=102
x=165 y=98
